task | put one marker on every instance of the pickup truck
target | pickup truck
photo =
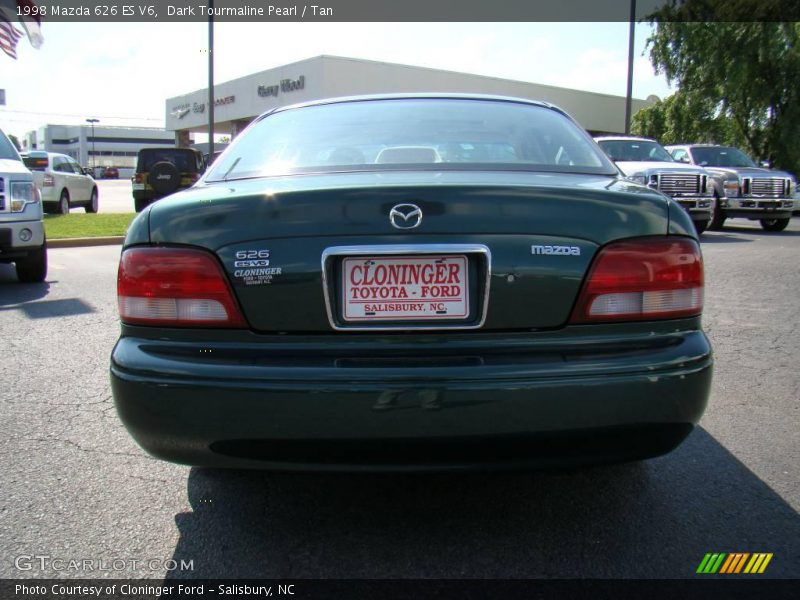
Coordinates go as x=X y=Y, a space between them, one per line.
x=744 y=190
x=647 y=162
x=22 y=239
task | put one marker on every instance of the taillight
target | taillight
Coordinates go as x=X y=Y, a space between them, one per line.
x=179 y=287
x=643 y=279
x=137 y=178
x=48 y=181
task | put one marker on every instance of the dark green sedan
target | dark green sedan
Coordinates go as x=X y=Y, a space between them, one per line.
x=406 y=283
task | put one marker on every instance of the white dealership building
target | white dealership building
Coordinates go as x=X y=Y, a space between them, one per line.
x=98 y=146
x=238 y=102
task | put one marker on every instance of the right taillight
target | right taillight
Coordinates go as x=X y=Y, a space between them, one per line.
x=175 y=287
x=643 y=279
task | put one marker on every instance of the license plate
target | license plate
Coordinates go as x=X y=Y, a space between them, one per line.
x=138 y=186
x=405 y=288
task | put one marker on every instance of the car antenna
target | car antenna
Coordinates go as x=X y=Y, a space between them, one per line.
x=236 y=162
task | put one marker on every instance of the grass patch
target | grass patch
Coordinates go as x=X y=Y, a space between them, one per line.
x=77 y=225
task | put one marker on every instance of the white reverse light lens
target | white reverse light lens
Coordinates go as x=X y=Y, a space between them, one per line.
x=172 y=309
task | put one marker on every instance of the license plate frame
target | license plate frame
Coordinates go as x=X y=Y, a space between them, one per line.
x=421 y=288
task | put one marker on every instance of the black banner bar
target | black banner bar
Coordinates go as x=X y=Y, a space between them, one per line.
x=732 y=588
x=275 y=11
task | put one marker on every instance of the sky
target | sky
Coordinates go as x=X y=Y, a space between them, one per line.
x=122 y=73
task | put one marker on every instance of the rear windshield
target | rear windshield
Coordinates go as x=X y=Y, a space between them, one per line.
x=186 y=161
x=36 y=163
x=432 y=134
x=721 y=157
x=7 y=149
x=635 y=151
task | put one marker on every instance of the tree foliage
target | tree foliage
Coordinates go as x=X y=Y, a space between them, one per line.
x=15 y=141
x=739 y=83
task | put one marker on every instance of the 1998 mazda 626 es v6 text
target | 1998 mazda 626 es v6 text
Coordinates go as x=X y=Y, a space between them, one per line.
x=411 y=282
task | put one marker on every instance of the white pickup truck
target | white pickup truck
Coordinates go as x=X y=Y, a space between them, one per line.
x=22 y=238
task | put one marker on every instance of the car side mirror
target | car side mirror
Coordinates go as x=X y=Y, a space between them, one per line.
x=683 y=159
x=766 y=164
x=703 y=163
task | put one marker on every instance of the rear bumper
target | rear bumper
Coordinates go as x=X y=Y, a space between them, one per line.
x=521 y=404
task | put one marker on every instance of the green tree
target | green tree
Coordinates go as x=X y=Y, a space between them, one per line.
x=737 y=80
x=682 y=118
x=15 y=141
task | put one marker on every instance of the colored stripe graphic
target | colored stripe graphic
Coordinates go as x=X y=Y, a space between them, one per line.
x=734 y=563
x=758 y=563
x=711 y=562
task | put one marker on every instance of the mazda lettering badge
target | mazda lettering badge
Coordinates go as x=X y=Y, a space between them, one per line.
x=405 y=216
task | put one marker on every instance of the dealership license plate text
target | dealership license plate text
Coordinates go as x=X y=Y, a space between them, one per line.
x=405 y=288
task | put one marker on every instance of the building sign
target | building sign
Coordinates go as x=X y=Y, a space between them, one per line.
x=181 y=110
x=285 y=85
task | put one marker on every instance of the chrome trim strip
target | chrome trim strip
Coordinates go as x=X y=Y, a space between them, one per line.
x=401 y=249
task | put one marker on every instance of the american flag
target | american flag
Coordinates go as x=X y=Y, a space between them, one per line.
x=10 y=13
x=9 y=35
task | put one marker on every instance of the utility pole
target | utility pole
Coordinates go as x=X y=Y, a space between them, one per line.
x=94 y=156
x=210 y=79
x=629 y=95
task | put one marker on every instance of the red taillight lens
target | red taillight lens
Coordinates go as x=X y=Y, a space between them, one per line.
x=178 y=287
x=48 y=180
x=643 y=279
x=137 y=178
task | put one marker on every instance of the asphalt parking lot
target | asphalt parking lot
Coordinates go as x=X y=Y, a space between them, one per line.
x=74 y=485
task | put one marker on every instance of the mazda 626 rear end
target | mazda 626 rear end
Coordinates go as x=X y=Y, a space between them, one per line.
x=411 y=282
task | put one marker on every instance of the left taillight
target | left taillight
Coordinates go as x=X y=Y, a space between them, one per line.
x=175 y=287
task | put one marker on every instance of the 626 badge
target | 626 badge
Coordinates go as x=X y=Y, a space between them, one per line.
x=252 y=267
x=251 y=258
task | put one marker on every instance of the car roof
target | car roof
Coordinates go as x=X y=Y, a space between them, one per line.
x=623 y=138
x=699 y=146
x=415 y=96
x=168 y=148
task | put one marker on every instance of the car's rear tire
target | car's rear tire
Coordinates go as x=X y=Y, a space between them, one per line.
x=93 y=204
x=62 y=208
x=33 y=268
x=139 y=204
x=718 y=220
x=774 y=224
x=700 y=226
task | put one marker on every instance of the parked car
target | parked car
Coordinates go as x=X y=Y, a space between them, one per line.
x=62 y=182
x=744 y=189
x=646 y=161
x=411 y=282
x=163 y=171
x=111 y=173
x=22 y=239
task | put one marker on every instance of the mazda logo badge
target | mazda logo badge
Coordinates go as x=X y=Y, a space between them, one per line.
x=405 y=216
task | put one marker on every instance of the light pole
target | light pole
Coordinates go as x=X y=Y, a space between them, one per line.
x=94 y=156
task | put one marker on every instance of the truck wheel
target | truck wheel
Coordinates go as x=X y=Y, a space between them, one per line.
x=33 y=268
x=718 y=220
x=774 y=224
x=62 y=208
x=700 y=226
